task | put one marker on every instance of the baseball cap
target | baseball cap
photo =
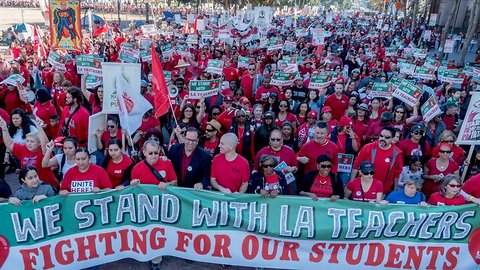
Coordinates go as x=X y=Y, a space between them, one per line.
x=313 y=113
x=345 y=122
x=366 y=166
x=326 y=109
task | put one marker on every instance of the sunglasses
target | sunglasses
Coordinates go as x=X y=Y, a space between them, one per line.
x=386 y=137
x=446 y=151
x=455 y=186
x=324 y=166
x=111 y=126
x=368 y=173
x=149 y=85
x=241 y=116
x=155 y=153
x=283 y=106
x=266 y=118
x=275 y=139
x=268 y=165
x=210 y=130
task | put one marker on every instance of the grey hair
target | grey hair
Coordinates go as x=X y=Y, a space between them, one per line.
x=266 y=158
x=447 y=180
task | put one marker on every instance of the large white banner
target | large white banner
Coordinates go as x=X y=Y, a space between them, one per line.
x=131 y=73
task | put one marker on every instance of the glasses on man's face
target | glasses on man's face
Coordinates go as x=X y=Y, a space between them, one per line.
x=368 y=173
x=455 y=186
x=275 y=139
x=385 y=137
x=154 y=153
x=210 y=130
x=326 y=166
x=268 y=165
x=191 y=140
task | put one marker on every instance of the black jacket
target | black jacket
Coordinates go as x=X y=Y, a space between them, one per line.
x=198 y=169
x=257 y=182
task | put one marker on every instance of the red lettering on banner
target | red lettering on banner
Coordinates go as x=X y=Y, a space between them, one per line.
x=317 y=249
x=124 y=240
x=250 y=247
x=108 y=241
x=182 y=241
x=451 y=258
x=90 y=246
x=47 y=257
x=394 y=256
x=290 y=251
x=139 y=242
x=157 y=243
x=28 y=260
x=376 y=253
x=202 y=244
x=414 y=257
x=265 y=248
x=336 y=248
x=64 y=257
x=222 y=243
x=434 y=251
x=350 y=250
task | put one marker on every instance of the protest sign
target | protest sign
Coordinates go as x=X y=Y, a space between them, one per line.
x=431 y=63
x=131 y=73
x=146 y=55
x=424 y=73
x=275 y=44
x=145 y=43
x=148 y=29
x=381 y=90
x=56 y=60
x=129 y=54
x=420 y=53
x=167 y=50
x=183 y=50
x=283 y=78
x=300 y=32
x=391 y=51
x=427 y=35
x=93 y=81
x=470 y=130
x=96 y=122
x=89 y=63
x=345 y=163
x=215 y=66
x=318 y=81
x=243 y=61
x=14 y=79
x=289 y=46
x=192 y=39
x=289 y=232
x=263 y=15
x=433 y=19
x=407 y=68
x=318 y=38
x=450 y=76
x=168 y=75
x=203 y=88
x=408 y=93
x=65 y=28
x=207 y=34
x=449 y=44
x=430 y=109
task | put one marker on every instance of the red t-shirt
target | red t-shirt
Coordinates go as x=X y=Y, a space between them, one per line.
x=370 y=195
x=322 y=186
x=151 y=122
x=438 y=200
x=116 y=170
x=342 y=142
x=58 y=98
x=247 y=86
x=34 y=159
x=472 y=186
x=285 y=154
x=409 y=148
x=432 y=167
x=360 y=128
x=96 y=106
x=145 y=175
x=78 y=125
x=230 y=74
x=338 y=105
x=382 y=163
x=290 y=118
x=263 y=93
x=313 y=149
x=230 y=174
x=105 y=138
x=76 y=181
x=12 y=101
x=210 y=147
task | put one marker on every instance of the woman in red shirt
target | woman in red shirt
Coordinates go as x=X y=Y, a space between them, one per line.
x=447 y=136
x=58 y=93
x=284 y=115
x=449 y=193
x=117 y=164
x=365 y=188
x=96 y=98
x=13 y=99
x=436 y=169
x=84 y=177
x=322 y=183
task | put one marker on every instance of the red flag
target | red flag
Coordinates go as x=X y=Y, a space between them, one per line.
x=195 y=25
x=186 y=28
x=38 y=45
x=162 y=99
x=36 y=38
x=104 y=29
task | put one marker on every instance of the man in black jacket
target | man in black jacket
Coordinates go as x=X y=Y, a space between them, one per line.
x=191 y=163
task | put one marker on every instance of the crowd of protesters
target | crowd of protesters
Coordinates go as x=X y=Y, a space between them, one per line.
x=253 y=137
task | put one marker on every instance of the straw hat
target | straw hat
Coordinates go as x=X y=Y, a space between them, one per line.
x=182 y=63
